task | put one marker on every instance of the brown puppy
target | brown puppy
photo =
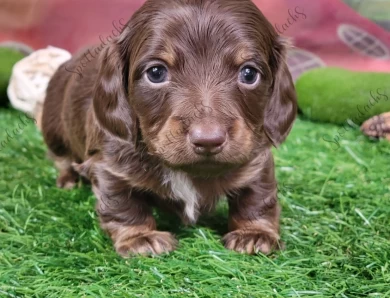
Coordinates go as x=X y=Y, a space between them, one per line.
x=181 y=110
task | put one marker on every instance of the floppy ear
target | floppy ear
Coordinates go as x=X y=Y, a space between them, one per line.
x=281 y=109
x=110 y=100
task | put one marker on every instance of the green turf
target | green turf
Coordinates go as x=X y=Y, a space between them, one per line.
x=360 y=96
x=335 y=223
x=8 y=58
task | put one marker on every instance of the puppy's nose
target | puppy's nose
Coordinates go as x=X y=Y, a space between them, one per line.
x=207 y=139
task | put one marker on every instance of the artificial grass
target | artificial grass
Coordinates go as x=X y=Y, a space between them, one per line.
x=358 y=95
x=8 y=58
x=335 y=222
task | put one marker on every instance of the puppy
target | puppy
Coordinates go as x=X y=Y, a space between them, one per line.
x=180 y=110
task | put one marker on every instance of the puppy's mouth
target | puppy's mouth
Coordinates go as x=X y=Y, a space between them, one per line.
x=207 y=168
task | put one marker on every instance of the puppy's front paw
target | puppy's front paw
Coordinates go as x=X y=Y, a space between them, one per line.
x=67 y=180
x=149 y=243
x=251 y=241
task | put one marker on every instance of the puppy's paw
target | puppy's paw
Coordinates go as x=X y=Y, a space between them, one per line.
x=378 y=126
x=67 y=180
x=251 y=242
x=150 y=243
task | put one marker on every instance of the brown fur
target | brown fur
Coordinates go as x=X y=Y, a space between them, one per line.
x=131 y=139
x=377 y=126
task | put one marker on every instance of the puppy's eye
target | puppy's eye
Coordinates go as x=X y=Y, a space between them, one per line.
x=157 y=74
x=249 y=75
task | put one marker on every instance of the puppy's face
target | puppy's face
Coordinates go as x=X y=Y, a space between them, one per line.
x=202 y=79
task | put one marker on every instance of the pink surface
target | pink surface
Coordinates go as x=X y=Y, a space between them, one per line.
x=71 y=24
x=319 y=35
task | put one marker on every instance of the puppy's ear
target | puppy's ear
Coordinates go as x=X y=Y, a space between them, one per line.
x=111 y=102
x=281 y=109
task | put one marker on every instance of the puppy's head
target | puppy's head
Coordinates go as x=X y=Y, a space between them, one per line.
x=204 y=82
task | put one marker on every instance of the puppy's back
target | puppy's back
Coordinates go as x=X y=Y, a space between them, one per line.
x=68 y=98
x=52 y=124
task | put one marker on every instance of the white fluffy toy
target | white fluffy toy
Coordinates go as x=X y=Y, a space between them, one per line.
x=30 y=78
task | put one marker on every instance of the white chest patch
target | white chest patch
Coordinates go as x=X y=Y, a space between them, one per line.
x=183 y=190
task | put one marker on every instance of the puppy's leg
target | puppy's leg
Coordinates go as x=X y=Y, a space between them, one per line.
x=254 y=227
x=127 y=217
x=254 y=217
x=67 y=177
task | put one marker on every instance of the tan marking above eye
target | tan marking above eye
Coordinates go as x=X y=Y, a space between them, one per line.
x=242 y=56
x=168 y=57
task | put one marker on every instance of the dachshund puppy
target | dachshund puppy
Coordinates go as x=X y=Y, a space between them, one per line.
x=180 y=110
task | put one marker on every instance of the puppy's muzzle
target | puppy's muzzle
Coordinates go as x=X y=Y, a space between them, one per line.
x=207 y=139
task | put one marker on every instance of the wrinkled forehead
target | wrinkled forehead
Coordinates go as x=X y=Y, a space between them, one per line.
x=201 y=34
